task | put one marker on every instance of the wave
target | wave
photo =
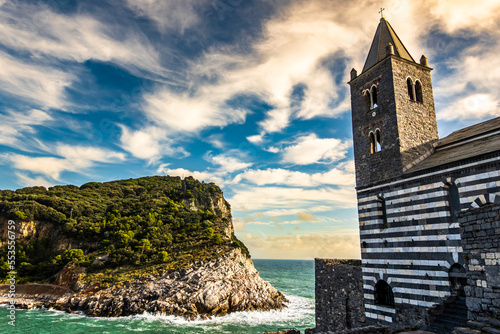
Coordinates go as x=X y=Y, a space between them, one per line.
x=298 y=308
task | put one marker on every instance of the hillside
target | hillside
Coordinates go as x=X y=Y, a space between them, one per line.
x=116 y=237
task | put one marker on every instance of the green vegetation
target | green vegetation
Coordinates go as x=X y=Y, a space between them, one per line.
x=137 y=225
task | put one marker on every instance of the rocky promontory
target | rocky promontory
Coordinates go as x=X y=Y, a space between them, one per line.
x=160 y=245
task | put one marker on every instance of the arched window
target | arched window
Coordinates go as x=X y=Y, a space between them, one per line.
x=411 y=88
x=458 y=279
x=418 y=91
x=374 y=97
x=454 y=199
x=373 y=147
x=368 y=99
x=382 y=207
x=383 y=294
x=378 y=145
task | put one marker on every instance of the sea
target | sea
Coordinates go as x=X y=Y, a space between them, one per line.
x=294 y=278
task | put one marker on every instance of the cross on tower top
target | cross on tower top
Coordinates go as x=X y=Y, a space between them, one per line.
x=381 y=12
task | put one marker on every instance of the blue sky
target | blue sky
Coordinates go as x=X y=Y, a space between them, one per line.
x=251 y=95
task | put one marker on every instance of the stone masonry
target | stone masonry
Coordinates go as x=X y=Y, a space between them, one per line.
x=405 y=125
x=480 y=230
x=339 y=295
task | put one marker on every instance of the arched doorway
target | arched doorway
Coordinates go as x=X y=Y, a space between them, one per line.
x=383 y=294
x=458 y=279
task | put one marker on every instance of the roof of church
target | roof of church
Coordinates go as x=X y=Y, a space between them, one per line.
x=383 y=36
x=465 y=143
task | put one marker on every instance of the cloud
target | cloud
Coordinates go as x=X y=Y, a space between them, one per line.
x=310 y=149
x=291 y=51
x=239 y=225
x=251 y=198
x=287 y=177
x=181 y=172
x=41 y=84
x=27 y=181
x=339 y=245
x=186 y=113
x=168 y=15
x=150 y=143
x=77 y=37
x=70 y=158
x=453 y=15
x=303 y=216
x=474 y=106
x=17 y=126
x=229 y=162
x=472 y=89
x=48 y=166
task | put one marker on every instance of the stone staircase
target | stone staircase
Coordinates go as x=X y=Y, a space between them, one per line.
x=449 y=315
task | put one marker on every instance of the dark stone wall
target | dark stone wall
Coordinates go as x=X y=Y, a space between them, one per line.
x=480 y=230
x=339 y=295
x=364 y=330
x=406 y=126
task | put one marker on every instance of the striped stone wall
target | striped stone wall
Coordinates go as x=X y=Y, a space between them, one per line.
x=415 y=246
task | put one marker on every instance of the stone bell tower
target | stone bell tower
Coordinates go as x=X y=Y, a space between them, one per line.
x=393 y=115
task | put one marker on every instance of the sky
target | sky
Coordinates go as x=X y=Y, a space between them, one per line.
x=249 y=94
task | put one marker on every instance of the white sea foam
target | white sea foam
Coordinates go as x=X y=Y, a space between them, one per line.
x=299 y=309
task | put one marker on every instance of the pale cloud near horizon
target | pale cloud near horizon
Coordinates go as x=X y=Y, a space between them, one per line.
x=306 y=246
x=249 y=198
x=287 y=177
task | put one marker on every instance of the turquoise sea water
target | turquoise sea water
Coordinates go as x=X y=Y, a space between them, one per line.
x=292 y=277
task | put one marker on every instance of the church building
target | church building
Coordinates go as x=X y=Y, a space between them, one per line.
x=413 y=187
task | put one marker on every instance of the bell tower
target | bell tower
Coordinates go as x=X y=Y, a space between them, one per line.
x=392 y=105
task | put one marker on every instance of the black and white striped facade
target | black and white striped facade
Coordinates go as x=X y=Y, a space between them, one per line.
x=414 y=249
x=411 y=184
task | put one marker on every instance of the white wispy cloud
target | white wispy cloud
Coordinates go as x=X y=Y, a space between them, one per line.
x=17 y=126
x=169 y=15
x=41 y=84
x=310 y=149
x=291 y=51
x=230 y=161
x=150 y=143
x=285 y=177
x=27 y=181
x=77 y=37
x=67 y=158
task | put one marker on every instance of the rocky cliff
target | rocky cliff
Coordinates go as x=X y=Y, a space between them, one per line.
x=157 y=244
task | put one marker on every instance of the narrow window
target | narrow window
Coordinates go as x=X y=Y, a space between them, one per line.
x=378 y=145
x=454 y=198
x=383 y=294
x=374 y=97
x=369 y=99
x=409 y=83
x=382 y=208
x=372 y=143
x=418 y=91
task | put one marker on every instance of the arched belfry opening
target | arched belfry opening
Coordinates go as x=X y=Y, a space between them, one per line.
x=383 y=294
x=418 y=92
x=411 y=87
